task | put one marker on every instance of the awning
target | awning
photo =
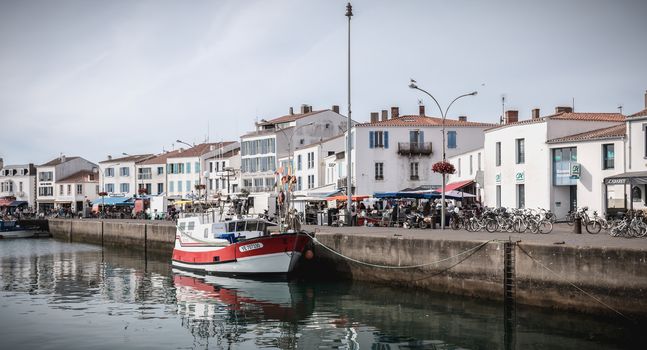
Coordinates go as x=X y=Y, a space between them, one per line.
x=457 y=185
x=633 y=178
x=343 y=198
x=113 y=201
x=18 y=203
x=5 y=202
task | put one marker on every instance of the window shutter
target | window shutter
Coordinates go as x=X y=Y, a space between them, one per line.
x=421 y=137
x=371 y=136
x=386 y=139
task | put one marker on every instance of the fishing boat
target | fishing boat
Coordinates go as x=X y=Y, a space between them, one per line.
x=11 y=229
x=236 y=246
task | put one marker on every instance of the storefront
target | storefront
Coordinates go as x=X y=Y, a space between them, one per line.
x=625 y=191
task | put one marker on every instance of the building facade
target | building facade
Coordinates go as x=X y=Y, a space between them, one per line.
x=48 y=173
x=310 y=166
x=18 y=183
x=77 y=191
x=122 y=176
x=278 y=138
x=223 y=177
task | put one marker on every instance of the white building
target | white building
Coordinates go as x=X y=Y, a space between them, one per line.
x=224 y=173
x=278 y=137
x=186 y=168
x=18 y=183
x=154 y=173
x=528 y=163
x=58 y=168
x=398 y=153
x=469 y=173
x=122 y=176
x=78 y=190
x=310 y=166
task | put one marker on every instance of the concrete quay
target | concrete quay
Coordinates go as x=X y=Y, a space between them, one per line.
x=549 y=268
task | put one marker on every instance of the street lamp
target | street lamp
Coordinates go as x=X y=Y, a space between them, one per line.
x=444 y=115
x=349 y=179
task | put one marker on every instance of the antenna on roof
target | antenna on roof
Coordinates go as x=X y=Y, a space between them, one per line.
x=573 y=105
x=502 y=109
x=620 y=108
x=419 y=102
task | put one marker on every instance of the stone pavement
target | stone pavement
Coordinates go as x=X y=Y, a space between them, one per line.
x=561 y=233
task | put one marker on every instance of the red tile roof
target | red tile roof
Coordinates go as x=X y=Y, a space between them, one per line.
x=604 y=133
x=593 y=117
x=200 y=149
x=80 y=177
x=292 y=117
x=642 y=113
x=128 y=158
x=160 y=158
x=417 y=120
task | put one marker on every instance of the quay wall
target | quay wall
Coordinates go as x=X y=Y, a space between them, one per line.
x=617 y=277
x=144 y=235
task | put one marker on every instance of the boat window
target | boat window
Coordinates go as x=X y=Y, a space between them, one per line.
x=231 y=226
x=240 y=226
x=182 y=225
x=191 y=226
x=206 y=233
x=261 y=226
x=251 y=226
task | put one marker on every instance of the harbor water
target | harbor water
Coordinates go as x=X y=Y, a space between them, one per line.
x=58 y=295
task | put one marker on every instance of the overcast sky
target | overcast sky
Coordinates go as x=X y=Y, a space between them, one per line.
x=92 y=78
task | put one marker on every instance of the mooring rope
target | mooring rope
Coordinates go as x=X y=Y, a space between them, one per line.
x=395 y=267
x=572 y=284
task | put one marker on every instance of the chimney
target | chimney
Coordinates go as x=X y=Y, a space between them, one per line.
x=62 y=158
x=462 y=118
x=335 y=108
x=395 y=112
x=385 y=115
x=421 y=110
x=511 y=116
x=563 y=109
x=375 y=117
x=535 y=113
x=291 y=111
x=109 y=157
x=304 y=108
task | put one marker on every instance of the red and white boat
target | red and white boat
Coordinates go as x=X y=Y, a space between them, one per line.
x=236 y=247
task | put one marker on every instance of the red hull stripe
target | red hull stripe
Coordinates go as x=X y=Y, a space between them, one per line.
x=250 y=248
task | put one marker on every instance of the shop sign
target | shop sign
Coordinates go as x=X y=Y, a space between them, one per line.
x=498 y=178
x=520 y=176
x=615 y=181
x=576 y=170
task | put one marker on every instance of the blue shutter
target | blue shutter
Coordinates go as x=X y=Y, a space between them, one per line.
x=451 y=139
x=386 y=139
x=371 y=135
x=421 y=137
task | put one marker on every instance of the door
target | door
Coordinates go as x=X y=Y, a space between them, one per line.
x=573 y=198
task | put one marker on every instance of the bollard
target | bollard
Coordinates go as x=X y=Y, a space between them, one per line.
x=433 y=221
x=577 y=227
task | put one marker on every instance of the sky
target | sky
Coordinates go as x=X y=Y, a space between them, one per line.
x=94 y=78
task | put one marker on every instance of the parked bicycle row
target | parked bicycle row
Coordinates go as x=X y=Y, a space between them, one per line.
x=504 y=220
x=629 y=225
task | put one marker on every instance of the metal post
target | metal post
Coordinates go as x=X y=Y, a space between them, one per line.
x=349 y=191
x=509 y=288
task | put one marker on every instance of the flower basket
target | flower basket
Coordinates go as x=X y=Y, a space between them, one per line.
x=142 y=191
x=200 y=187
x=443 y=167
x=103 y=194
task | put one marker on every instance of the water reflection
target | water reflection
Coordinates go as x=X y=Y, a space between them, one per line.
x=123 y=299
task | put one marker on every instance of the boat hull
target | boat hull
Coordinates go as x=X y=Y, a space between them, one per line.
x=17 y=234
x=269 y=255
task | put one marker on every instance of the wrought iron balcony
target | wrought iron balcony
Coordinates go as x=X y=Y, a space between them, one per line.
x=412 y=149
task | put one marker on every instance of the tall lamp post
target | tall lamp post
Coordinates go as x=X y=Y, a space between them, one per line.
x=349 y=181
x=444 y=115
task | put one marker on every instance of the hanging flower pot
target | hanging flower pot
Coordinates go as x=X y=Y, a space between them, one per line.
x=103 y=194
x=443 y=167
x=200 y=187
x=142 y=191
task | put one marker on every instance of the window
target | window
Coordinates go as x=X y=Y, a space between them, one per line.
x=124 y=188
x=299 y=162
x=79 y=189
x=521 y=152
x=608 y=156
x=211 y=167
x=471 y=168
x=45 y=176
x=69 y=190
x=299 y=183
x=197 y=167
x=311 y=181
x=521 y=196
x=60 y=190
x=179 y=186
x=124 y=171
x=311 y=160
x=498 y=196
x=144 y=173
x=188 y=168
x=160 y=188
x=110 y=188
x=160 y=170
x=247 y=183
x=46 y=191
x=379 y=171
x=188 y=186
x=413 y=168
x=149 y=188
x=497 y=155
x=96 y=189
x=20 y=186
x=170 y=186
x=451 y=139
x=109 y=172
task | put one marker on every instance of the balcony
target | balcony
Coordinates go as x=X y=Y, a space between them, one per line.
x=414 y=149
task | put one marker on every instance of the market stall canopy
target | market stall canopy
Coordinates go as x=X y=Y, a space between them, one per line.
x=457 y=185
x=343 y=198
x=113 y=201
x=18 y=204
